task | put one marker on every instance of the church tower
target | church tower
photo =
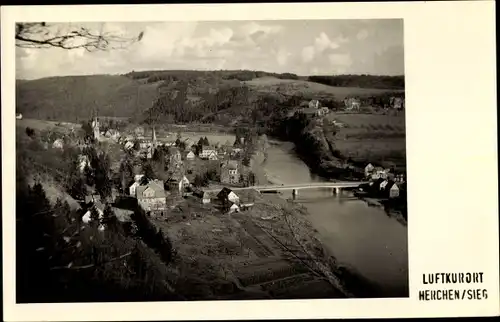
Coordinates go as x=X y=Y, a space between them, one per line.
x=95 y=126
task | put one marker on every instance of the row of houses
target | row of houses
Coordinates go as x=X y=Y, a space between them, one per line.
x=354 y=103
x=386 y=188
x=226 y=198
x=377 y=172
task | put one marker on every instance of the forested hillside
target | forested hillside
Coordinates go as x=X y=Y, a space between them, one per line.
x=222 y=97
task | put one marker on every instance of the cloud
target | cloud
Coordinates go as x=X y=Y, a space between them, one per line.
x=308 y=54
x=362 y=34
x=321 y=44
x=282 y=56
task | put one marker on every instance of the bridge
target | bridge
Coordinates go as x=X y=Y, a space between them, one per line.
x=335 y=186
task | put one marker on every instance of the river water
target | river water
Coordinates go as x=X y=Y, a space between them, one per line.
x=359 y=236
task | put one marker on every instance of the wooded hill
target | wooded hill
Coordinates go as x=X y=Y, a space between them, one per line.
x=222 y=97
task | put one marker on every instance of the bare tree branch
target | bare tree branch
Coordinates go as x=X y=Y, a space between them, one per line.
x=39 y=35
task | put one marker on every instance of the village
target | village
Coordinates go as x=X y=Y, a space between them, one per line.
x=189 y=169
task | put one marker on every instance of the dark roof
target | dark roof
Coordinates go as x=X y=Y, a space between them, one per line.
x=224 y=193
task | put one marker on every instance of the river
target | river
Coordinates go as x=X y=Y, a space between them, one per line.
x=359 y=236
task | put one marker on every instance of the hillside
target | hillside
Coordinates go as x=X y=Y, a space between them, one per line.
x=223 y=97
x=73 y=98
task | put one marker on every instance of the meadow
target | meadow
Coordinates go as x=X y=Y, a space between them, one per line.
x=307 y=88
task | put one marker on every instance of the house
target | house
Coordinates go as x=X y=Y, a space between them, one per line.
x=152 y=196
x=139 y=131
x=188 y=143
x=203 y=195
x=133 y=188
x=83 y=162
x=177 y=181
x=383 y=184
x=128 y=145
x=213 y=156
x=230 y=172
x=206 y=151
x=175 y=157
x=58 y=144
x=314 y=104
x=19 y=116
x=190 y=156
x=368 y=169
x=394 y=190
x=236 y=151
x=96 y=207
x=324 y=110
x=352 y=103
x=397 y=102
x=234 y=208
x=226 y=195
x=112 y=134
x=379 y=172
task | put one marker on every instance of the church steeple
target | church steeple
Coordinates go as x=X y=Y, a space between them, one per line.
x=153 y=138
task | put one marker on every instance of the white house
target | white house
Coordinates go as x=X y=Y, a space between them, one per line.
x=138 y=177
x=190 y=156
x=19 y=116
x=369 y=168
x=383 y=184
x=58 y=144
x=129 y=145
x=394 y=191
x=213 y=156
x=234 y=208
x=227 y=195
x=133 y=188
x=83 y=161
x=206 y=151
x=314 y=104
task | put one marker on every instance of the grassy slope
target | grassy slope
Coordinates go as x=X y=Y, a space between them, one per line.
x=372 y=137
x=73 y=98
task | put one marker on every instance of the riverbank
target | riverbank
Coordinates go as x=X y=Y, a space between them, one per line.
x=296 y=215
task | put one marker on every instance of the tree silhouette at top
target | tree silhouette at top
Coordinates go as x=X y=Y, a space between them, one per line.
x=69 y=36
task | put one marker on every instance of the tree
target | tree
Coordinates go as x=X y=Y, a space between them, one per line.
x=126 y=173
x=205 y=141
x=66 y=36
x=109 y=219
x=30 y=132
x=148 y=171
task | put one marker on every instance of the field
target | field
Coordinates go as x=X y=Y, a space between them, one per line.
x=372 y=138
x=307 y=89
x=42 y=125
x=241 y=257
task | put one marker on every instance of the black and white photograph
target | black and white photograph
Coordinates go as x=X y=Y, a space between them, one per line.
x=249 y=161
x=210 y=160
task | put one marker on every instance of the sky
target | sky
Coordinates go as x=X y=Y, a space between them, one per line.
x=303 y=47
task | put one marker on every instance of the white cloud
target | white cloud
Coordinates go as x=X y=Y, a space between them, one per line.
x=282 y=56
x=308 y=54
x=362 y=34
